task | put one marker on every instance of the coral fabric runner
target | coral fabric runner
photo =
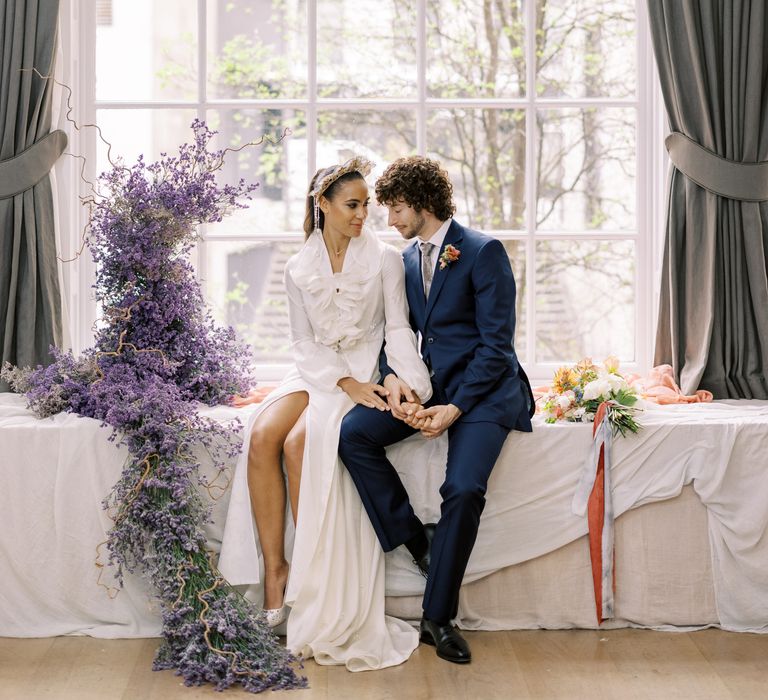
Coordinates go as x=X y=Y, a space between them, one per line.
x=593 y=496
x=660 y=387
x=598 y=528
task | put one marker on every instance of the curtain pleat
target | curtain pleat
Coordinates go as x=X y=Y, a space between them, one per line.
x=712 y=57
x=30 y=303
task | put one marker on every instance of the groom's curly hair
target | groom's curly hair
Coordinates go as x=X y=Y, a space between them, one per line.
x=419 y=182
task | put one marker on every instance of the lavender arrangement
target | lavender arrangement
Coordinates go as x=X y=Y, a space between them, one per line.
x=157 y=353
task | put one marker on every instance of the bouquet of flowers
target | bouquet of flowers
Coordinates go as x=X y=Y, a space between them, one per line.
x=157 y=355
x=577 y=392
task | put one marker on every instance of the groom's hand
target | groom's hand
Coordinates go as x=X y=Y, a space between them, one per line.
x=435 y=420
x=411 y=409
x=398 y=391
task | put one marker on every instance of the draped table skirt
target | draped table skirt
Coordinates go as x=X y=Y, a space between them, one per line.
x=529 y=568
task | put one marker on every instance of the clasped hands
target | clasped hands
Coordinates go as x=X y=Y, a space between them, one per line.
x=406 y=406
x=403 y=402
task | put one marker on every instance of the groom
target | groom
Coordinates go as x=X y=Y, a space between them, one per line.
x=461 y=294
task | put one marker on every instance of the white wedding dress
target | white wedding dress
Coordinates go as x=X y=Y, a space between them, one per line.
x=336 y=583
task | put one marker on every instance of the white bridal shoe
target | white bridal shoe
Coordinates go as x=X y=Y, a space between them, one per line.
x=274 y=616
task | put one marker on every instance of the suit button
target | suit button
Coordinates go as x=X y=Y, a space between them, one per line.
x=430 y=340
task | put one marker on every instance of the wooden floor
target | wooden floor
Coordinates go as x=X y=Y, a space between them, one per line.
x=568 y=664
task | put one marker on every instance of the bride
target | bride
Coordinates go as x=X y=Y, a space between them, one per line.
x=346 y=298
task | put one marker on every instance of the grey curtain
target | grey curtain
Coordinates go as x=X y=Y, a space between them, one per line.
x=30 y=304
x=712 y=57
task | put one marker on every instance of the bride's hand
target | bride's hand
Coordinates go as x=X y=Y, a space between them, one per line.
x=399 y=393
x=365 y=393
x=410 y=409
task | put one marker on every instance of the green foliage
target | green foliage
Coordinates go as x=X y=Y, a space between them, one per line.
x=237 y=294
x=622 y=420
x=627 y=398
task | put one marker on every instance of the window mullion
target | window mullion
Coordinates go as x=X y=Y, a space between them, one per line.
x=646 y=202
x=421 y=76
x=530 y=181
x=202 y=96
x=364 y=103
x=641 y=171
x=311 y=88
x=86 y=100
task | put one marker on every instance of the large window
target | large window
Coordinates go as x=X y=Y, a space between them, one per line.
x=540 y=111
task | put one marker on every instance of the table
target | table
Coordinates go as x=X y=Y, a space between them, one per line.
x=529 y=567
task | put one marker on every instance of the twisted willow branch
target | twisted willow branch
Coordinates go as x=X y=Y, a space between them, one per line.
x=159 y=353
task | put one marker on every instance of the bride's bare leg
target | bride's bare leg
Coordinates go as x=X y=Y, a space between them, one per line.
x=293 y=451
x=267 y=488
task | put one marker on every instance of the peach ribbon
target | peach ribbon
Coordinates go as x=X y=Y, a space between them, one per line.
x=593 y=497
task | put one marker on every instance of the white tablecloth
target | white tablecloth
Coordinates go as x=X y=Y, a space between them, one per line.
x=56 y=472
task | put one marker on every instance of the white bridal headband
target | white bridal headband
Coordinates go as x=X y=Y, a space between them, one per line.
x=358 y=164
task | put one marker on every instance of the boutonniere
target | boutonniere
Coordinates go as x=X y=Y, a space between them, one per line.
x=448 y=256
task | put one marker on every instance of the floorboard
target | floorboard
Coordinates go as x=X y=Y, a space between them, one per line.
x=628 y=664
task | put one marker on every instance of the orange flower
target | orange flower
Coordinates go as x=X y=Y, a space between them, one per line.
x=586 y=371
x=565 y=378
x=448 y=256
x=585 y=365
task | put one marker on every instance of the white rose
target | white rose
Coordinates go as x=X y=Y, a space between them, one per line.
x=591 y=390
x=563 y=402
x=616 y=382
x=595 y=389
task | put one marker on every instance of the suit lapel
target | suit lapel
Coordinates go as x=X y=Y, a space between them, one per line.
x=452 y=237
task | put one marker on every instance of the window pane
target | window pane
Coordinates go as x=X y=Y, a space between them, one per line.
x=381 y=136
x=141 y=131
x=475 y=48
x=585 y=303
x=366 y=48
x=516 y=252
x=257 y=50
x=484 y=153
x=244 y=286
x=586 y=169
x=279 y=166
x=148 y=52
x=586 y=48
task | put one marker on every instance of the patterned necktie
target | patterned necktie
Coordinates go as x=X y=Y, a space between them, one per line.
x=427 y=265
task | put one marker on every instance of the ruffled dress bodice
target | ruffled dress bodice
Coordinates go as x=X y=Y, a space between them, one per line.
x=339 y=321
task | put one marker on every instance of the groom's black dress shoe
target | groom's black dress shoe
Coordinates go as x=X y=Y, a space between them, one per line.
x=451 y=646
x=423 y=561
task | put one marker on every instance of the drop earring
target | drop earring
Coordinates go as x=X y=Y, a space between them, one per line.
x=316 y=212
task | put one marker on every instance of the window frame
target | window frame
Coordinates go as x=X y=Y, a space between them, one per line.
x=77 y=70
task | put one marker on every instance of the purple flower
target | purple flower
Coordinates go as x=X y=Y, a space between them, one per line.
x=157 y=354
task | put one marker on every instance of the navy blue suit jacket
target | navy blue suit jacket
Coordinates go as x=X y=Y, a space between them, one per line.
x=467 y=327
